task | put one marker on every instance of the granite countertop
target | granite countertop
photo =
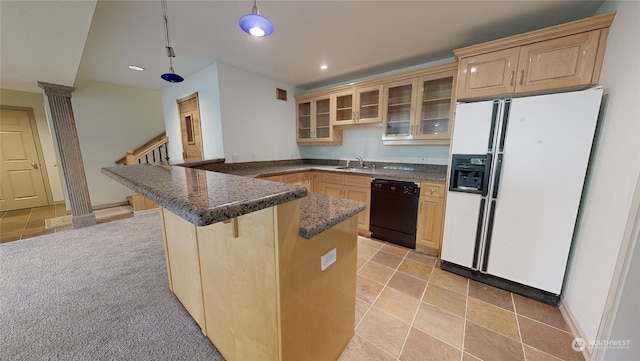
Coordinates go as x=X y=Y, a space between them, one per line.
x=434 y=174
x=319 y=213
x=204 y=197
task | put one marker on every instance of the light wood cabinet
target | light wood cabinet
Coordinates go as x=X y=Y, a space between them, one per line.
x=430 y=218
x=316 y=182
x=354 y=187
x=299 y=178
x=360 y=106
x=420 y=110
x=261 y=285
x=414 y=108
x=399 y=109
x=314 y=121
x=564 y=56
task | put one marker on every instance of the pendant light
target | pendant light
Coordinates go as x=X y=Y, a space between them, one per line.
x=256 y=24
x=171 y=76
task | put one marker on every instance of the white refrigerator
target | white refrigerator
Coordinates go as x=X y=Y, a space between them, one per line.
x=518 y=168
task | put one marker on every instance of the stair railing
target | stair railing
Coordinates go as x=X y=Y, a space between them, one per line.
x=154 y=151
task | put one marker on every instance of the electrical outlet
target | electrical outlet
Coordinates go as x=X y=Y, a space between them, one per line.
x=234 y=158
x=253 y=157
x=327 y=259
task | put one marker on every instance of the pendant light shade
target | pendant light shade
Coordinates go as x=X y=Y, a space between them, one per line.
x=171 y=76
x=256 y=24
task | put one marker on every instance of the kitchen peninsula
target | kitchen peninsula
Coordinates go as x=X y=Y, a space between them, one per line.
x=267 y=270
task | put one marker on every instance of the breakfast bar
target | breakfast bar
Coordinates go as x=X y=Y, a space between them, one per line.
x=266 y=269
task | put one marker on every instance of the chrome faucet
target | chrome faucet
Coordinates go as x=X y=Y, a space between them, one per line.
x=359 y=158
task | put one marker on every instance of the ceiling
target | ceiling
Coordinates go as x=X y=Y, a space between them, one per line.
x=69 y=42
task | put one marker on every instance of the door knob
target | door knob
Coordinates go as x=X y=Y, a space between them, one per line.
x=34 y=165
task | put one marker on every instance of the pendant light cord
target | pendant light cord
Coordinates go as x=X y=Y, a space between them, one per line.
x=165 y=17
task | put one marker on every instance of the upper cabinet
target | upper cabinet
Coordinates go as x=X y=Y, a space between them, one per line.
x=314 y=121
x=399 y=109
x=419 y=110
x=360 y=106
x=563 y=56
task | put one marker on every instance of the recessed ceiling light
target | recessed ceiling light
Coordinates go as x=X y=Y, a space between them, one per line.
x=323 y=67
x=136 y=67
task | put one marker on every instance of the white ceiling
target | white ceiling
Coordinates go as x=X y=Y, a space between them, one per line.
x=45 y=40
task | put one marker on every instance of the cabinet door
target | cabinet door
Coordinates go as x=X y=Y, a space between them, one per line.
x=361 y=195
x=303 y=117
x=305 y=180
x=369 y=103
x=430 y=214
x=559 y=63
x=333 y=190
x=183 y=264
x=345 y=112
x=435 y=106
x=334 y=178
x=488 y=74
x=323 y=125
x=399 y=109
x=316 y=182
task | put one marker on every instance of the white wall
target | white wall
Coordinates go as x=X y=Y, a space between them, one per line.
x=205 y=82
x=367 y=143
x=614 y=171
x=110 y=119
x=36 y=101
x=256 y=125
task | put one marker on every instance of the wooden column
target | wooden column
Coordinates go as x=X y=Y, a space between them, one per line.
x=64 y=125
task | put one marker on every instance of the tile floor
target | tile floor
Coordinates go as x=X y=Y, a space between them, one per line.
x=31 y=222
x=407 y=308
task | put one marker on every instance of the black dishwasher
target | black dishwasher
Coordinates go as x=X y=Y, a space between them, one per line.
x=394 y=211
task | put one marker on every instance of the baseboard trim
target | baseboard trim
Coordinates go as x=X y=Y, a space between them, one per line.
x=109 y=205
x=575 y=328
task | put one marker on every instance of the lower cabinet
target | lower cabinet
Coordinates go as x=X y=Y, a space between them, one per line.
x=301 y=178
x=355 y=187
x=430 y=218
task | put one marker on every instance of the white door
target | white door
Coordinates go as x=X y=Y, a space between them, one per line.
x=546 y=152
x=472 y=127
x=21 y=180
x=463 y=212
x=460 y=228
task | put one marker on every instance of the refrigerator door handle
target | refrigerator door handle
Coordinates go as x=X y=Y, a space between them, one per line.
x=505 y=121
x=476 y=249
x=487 y=243
x=485 y=175
x=496 y=182
x=494 y=120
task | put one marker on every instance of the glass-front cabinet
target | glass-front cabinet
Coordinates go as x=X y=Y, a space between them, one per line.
x=419 y=110
x=399 y=109
x=314 y=123
x=435 y=107
x=359 y=106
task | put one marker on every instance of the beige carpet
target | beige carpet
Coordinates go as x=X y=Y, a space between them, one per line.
x=101 y=214
x=95 y=293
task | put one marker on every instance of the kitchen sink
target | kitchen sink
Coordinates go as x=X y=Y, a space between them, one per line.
x=356 y=169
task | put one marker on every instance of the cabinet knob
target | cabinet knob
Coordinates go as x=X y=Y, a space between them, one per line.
x=34 y=165
x=513 y=74
x=521 y=76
